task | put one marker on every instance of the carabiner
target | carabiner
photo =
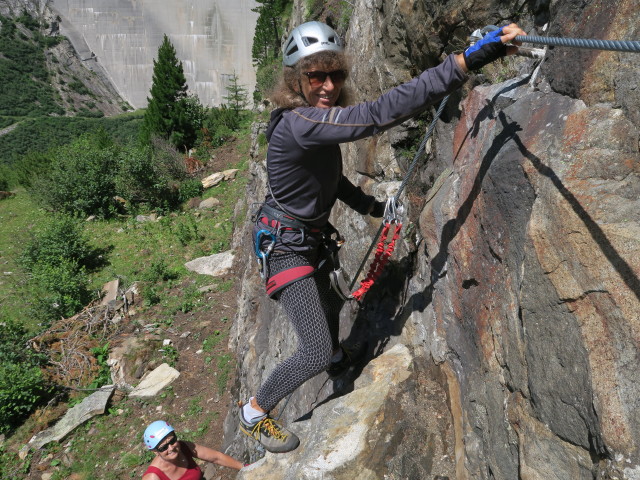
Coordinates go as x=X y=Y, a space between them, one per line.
x=393 y=211
x=261 y=256
x=259 y=253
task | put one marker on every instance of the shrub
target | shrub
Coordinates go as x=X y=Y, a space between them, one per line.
x=151 y=174
x=22 y=385
x=32 y=165
x=57 y=259
x=80 y=179
x=190 y=188
x=219 y=125
x=79 y=87
x=13 y=340
x=86 y=113
x=62 y=237
x=21 y=389
x=187 y=231
x=60 y=290
x=158 y=271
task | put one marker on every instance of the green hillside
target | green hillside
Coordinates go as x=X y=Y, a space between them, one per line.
x=91 y=200
x=26 y=80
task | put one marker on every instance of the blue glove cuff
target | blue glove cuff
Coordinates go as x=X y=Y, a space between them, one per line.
x=491 y=37
x=485 y=50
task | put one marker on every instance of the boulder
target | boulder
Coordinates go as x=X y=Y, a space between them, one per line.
x=153 y=382
x=215 y=178
x=208 y=203
x=91 y=406
x=216 y=265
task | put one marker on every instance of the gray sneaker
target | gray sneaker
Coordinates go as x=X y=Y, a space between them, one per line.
x=271 y=434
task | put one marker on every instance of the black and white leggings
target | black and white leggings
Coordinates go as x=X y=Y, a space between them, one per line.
x=313 y=308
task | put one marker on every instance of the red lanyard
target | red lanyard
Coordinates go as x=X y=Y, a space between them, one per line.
x=380 y=260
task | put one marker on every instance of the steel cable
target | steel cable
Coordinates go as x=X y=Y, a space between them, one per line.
x=405 y=180
x=611 y=45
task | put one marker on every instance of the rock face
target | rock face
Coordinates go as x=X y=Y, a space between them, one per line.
x=516 y=290
x=212 y=39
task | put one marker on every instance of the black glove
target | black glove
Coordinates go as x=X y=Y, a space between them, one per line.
x=485 y=50
x=378 y=209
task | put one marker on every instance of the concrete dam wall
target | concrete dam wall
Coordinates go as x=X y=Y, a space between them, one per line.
x=213 y=39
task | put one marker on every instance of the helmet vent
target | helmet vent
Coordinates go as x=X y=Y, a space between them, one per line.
x=309 y=41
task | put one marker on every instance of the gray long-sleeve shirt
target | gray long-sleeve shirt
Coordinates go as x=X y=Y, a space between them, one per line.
x=304 y=163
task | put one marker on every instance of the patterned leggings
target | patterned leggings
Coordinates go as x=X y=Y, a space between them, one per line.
x=314 y=311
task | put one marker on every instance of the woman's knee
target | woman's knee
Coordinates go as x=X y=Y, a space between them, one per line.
x=317 y=360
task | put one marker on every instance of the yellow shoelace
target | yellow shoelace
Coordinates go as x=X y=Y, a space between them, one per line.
x=270 y=427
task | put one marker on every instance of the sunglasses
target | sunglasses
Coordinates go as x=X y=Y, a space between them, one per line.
x=317 y=79
x=166 y=445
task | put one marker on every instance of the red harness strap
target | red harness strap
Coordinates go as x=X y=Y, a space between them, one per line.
x=278 y=225
x=380 y=260
x=285 y=277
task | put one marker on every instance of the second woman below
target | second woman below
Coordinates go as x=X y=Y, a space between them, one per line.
x=305 y=179
x=174 y=459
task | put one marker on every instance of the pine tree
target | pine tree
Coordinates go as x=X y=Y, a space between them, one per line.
x=266 y=40
x=266 y=43
x=167 y=113
x=237 y=98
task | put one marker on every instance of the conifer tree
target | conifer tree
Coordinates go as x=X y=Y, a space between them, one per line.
x=237 y=95
x=266 y=40
x=168 y=110
x=266 y=43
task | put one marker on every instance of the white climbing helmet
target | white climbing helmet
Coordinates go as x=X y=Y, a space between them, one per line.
x=155 y=432
x=310 y=38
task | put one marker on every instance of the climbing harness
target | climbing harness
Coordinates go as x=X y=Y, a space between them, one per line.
x=271 y=223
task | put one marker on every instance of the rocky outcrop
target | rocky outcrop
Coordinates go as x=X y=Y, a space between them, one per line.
x=516 y=290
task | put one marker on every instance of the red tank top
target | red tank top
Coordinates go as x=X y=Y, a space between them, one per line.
x=193 y=470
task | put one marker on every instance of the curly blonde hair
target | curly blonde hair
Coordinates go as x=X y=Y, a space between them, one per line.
x=288 y=93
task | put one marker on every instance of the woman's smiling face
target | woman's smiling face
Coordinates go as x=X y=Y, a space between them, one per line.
x=168 y=447
x=322 y=89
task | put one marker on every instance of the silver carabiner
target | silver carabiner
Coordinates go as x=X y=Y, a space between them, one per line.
x=479 y=33
x=393 y=211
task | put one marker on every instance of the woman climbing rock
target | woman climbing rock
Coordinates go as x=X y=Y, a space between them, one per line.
x=292 y=234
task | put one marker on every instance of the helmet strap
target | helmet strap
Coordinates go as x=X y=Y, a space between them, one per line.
x=299 y=92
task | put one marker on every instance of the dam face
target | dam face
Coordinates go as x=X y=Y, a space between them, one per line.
x=212 y=38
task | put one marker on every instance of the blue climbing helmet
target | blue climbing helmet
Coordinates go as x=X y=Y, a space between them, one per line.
x=310 y=38
x=155 y=432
